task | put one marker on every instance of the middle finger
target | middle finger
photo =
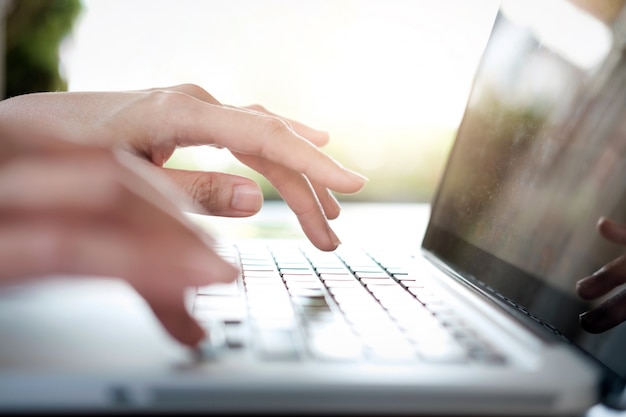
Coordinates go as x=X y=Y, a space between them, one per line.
x=604 y=280
x=300 y=197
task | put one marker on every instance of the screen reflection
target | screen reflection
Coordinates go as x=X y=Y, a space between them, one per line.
x=540 y=157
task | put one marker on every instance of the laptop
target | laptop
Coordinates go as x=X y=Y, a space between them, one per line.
x=482 y=318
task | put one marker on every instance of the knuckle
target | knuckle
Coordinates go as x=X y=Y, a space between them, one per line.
x=165 y=100
x=272 y=126
x=192 y=89
x=204 y=191
x=270 y=129
x=258 y=108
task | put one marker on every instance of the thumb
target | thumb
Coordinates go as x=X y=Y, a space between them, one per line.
x=219 y=194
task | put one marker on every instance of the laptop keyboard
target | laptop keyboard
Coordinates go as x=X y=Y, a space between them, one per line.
x=294 y=303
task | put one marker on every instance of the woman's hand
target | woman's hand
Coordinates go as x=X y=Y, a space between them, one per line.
x=151 y=124
x=78 y=209
x=83 y=190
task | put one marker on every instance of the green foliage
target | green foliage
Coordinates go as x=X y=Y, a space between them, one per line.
x=34 y=31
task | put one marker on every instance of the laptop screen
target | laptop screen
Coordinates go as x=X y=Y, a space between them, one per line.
x=540 y=156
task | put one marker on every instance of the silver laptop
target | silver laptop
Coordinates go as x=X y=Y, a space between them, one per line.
x=482 y=320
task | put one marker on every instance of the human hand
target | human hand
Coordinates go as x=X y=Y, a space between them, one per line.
x=69 y=208
x=151 y=124
x=613 y=311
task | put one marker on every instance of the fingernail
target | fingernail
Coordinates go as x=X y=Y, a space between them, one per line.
x=583 y=319
x=247 y=197
x=319 y=131
x=356 y=175
x=596 y=320
x=336 y=241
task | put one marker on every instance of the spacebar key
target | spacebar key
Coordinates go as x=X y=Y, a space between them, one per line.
x=277 y=344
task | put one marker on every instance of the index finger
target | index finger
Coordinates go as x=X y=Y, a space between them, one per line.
x=612 y=231
x=317 y=137
x=198 y=123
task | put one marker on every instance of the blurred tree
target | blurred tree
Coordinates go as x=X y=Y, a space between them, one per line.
x=34 y=31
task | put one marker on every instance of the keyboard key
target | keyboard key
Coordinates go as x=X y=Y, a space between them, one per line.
x=441 y=350
x=220 y=289
x=386 y=281
x=303 y=277
x=273 y=321
x=377 y=274
x=236 y=335
x=295 y=271
x=277 y=344
x=358 y=291
x=338 y=270
x=382 y=311
x=337 y=276
x=311 y=299
x=334 y=342
x=343 y=284
x=219 y=302
x=268 y=273
x=215 y=339
x=314 y=315
x=304 y=287
x=266 y=288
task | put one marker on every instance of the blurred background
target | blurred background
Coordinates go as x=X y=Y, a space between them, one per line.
x=388 y=79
